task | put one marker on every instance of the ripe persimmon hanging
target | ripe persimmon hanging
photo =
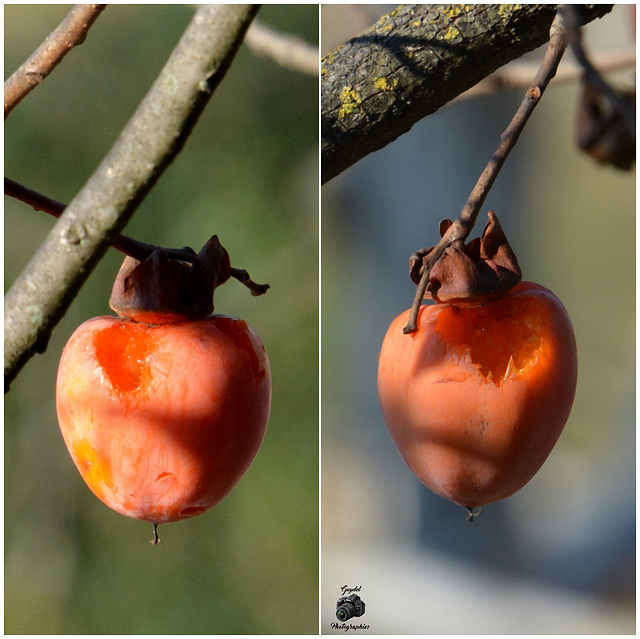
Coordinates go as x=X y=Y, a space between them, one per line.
x=164 y=408
x=476 y=398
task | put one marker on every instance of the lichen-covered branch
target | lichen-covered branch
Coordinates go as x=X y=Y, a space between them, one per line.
x=377 y=85
x=150 y=141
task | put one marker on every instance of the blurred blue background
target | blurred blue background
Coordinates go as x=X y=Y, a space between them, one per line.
x=249 y=173
x=559 y=556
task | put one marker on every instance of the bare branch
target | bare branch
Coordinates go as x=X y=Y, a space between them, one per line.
x=71 y=32
x=38 y=201
x=123 y=243
x=517 y=75
x=150 y=141
x=460 y=229
x=289 y=51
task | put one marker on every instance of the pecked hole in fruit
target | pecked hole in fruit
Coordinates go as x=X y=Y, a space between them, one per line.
x=121 y=350
x=502 y=342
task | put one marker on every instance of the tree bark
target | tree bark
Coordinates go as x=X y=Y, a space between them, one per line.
x=376 y=86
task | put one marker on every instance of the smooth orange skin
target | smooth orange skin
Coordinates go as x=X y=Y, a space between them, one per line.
x=163 y=420
x=472 y=425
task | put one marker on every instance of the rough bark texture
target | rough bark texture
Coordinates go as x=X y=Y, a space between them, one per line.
x=377 y=85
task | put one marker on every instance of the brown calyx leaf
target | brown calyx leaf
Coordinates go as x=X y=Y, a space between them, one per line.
x=162 y=285
x=603 y=130
x=483 y=267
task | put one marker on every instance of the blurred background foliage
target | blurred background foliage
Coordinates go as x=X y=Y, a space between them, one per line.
x=559 y=556
x=249 y=173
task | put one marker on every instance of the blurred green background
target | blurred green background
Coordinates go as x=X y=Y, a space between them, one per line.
x=249 y=173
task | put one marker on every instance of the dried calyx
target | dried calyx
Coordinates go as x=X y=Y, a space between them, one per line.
x=161 y=285
x=470 y=272
x=606 y=127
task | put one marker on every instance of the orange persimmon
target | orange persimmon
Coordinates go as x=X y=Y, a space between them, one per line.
x=163 y=411
x=477 y=397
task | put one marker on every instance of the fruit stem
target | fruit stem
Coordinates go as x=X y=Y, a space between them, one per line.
x=472 y=515
x=156 y=540
x=127 y=245
x=461 y=228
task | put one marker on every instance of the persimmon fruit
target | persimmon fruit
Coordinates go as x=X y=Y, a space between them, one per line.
x=162 y=411
x=477 y=397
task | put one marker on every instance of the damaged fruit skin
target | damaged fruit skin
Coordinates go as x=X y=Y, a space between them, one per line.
x=477 y=397
x=163 y=417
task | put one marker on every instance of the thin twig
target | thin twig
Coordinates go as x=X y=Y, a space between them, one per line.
x=517 y=75
x=288 y=51
x=591 y=73
x=123 y=243
x=461 y=227
x=153 y=137
x=71 y=32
